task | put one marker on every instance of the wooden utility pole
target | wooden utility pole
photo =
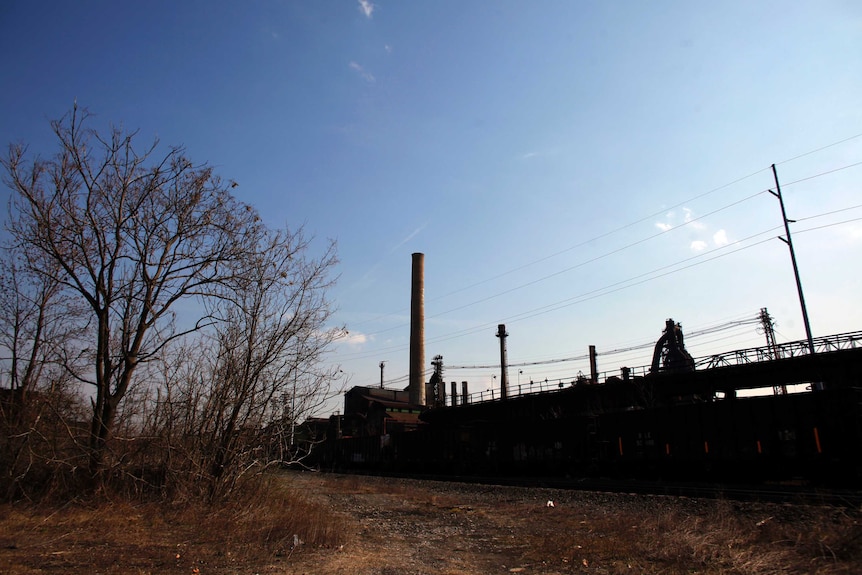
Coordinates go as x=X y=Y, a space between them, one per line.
x=789 y=243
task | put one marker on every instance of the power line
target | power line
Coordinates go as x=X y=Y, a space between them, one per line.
x=821 y=174
x=599 y=257
x=649 y=276
x=614 y=287
x=584 y=263
x=626 y=226
x=605 y=290
x=622 y=248
x=752 y=320
x=808 y=153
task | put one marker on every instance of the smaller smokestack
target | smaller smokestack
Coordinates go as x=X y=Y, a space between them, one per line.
x=465 y=397
x=454 y=394
x=504 y=364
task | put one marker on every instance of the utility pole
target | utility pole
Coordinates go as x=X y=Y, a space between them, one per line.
x=769 y=331
x=382 y=363
x=789 y=243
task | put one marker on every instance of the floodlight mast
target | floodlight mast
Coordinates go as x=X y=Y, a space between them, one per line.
x=789 y=243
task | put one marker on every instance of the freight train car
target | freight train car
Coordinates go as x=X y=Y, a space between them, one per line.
x=695 y=424
x=811 y=437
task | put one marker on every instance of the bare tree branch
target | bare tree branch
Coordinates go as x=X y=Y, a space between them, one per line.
x=130 y=234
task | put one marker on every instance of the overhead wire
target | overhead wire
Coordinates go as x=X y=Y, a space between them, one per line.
x=638 y=221
x=643 y=240
x=625 y=284
x=820 y=149
x=752 y=320
x=611 y=288
x=622 y=248
x=605 y=290
x=583 y=263
x=599 y=257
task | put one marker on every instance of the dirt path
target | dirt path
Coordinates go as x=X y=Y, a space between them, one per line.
x=411 y=527
x=416 y=528
x=452 y=529
x=408 y=527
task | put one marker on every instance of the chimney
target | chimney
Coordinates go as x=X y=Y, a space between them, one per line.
x=417 y=332
x=504 y=364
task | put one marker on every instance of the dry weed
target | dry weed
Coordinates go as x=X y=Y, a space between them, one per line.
x=152 y=537
x=720 y=539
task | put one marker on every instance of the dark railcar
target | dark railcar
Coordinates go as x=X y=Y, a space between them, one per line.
x=814 y=437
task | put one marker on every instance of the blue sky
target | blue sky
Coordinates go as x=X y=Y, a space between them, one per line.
x=579 y=171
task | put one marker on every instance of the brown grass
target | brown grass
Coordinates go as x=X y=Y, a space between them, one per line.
x=115 y=536
x=351 y=524
x=621 y=534
x=707 y=537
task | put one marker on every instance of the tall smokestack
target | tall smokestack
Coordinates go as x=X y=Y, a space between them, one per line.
x=417 y=332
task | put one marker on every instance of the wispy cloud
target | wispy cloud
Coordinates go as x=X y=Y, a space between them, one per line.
x=367 y=76
x=666 y=225
x=388 y=48
x=409 y=237
x=689 y=219
x=543 y=152
x=367 y=278
x=366 y=8
x=853 y=234
x=696 y=227
x=356 y=339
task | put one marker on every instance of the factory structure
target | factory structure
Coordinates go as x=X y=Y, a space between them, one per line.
x=678 y=417
x=376 y=411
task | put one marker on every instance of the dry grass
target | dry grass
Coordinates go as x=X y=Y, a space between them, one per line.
x=774 y=540
x=683 y=537
x=140 y=538
x=616 y=534
x=387 y=526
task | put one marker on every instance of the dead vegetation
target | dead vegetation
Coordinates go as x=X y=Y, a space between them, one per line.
x=320 y=523
x=110 y=535
x=428 y=527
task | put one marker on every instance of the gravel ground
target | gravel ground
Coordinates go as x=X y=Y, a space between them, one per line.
x=384 y=526
x=411 y=527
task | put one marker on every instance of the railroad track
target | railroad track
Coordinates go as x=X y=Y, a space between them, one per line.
x=784 y=493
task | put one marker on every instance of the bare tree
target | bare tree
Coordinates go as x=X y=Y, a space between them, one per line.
x=267 y=346
x=130 y=234
x=27 y=315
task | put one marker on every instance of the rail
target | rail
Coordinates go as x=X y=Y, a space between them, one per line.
x=825 y=344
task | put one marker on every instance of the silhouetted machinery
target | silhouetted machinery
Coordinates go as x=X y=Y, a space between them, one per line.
x=670 y=354
x=683 y=419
